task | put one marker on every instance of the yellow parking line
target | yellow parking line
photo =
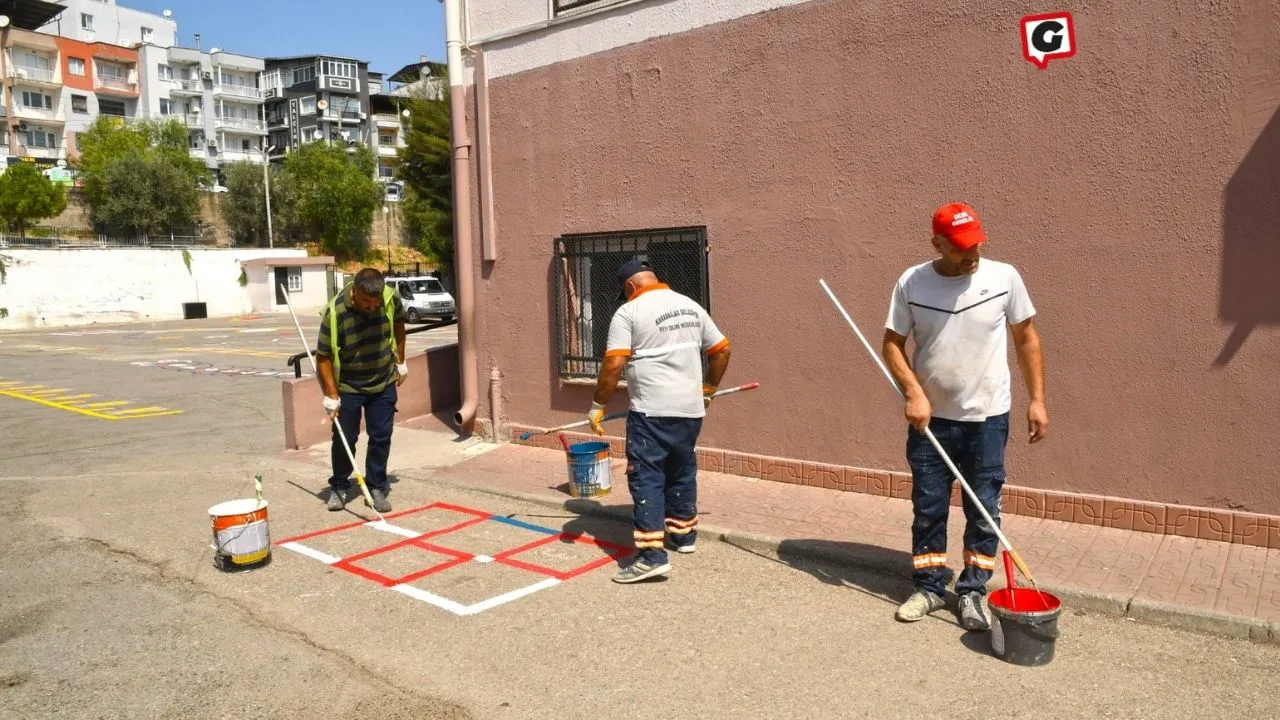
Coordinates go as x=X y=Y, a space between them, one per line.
x=112 y=403
x=131 y=414
x=65 y=398
x=134 y=411
x=43 y=393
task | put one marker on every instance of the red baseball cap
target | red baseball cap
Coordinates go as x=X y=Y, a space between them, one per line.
x=959 y=224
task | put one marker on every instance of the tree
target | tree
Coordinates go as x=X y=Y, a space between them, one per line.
x=330 y=194
x=139 y=177
x=426 y=168
x=244 y=205
x=27 y=194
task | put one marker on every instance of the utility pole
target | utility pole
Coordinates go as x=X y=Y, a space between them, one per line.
x=266 y=183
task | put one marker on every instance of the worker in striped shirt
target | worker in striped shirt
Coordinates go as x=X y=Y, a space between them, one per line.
x=363 y=329
x=659 y=336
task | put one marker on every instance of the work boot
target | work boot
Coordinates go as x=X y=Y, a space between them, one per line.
x=919 y=605
x=641 y=570
x=379 y=500
x=337 y=499
x=973 y=615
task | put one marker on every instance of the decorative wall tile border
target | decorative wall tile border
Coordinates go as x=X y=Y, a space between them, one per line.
x=1141 y=516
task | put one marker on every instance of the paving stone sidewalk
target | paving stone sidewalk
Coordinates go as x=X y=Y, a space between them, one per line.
x=1219 y=587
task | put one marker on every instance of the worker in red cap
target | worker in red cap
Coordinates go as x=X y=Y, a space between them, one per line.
x=957 y=384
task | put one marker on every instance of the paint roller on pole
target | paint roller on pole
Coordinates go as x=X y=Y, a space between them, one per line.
x=364 y=489
x=619 y=415
x=973 y=498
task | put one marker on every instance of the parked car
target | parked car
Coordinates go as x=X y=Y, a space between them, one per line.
x=424 y=297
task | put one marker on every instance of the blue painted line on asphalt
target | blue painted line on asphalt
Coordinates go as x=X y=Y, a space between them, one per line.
x=521 y=524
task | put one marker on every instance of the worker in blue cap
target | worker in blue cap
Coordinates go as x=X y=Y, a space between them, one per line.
x=658 y=337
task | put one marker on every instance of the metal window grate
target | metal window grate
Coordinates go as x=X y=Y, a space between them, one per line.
x=586 y=285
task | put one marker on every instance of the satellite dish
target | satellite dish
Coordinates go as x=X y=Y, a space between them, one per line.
x=322 y=104
x=214 y=50
x=4 y=21
x=168 y=13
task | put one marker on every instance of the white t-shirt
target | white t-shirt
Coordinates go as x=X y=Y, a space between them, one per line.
x=961 y=341
x=664 y=334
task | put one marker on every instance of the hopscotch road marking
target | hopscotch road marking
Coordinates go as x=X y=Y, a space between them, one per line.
x=230 y=351
x=53 y=398
x=419 y=540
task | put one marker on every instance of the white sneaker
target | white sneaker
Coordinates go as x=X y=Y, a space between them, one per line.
x=919 y=605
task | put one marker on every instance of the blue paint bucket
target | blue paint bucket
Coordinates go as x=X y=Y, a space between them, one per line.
x=589 y=469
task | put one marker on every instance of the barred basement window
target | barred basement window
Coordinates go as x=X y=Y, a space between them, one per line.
x=586 y=285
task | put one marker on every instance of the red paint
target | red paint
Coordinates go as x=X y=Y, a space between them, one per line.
x=1025 y=600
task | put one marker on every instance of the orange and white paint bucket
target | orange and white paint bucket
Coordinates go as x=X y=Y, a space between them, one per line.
x=241 y=535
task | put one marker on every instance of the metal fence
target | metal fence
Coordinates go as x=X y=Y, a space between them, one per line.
x=106 y=241
x=586 y=285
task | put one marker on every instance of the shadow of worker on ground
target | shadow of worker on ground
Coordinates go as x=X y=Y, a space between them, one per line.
x=1249 y=294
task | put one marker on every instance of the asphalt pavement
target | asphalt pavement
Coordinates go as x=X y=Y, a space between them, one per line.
x=469 y=604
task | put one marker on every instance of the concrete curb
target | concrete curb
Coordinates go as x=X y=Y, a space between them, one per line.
x=1120 y=606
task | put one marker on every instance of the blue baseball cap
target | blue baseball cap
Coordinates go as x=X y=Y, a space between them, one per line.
x=629 y=268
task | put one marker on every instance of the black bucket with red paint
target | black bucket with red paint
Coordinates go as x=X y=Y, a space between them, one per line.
x=1026 y=625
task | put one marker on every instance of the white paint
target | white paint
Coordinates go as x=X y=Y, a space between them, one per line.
x=47 y=288
x=513 y=595
x=442 y=603
x=459 y=609
x=315 y=554
x=483 y=559
x=385 y=526
x=542 y=41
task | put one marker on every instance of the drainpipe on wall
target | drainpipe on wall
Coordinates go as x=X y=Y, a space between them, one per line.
x=462 y=239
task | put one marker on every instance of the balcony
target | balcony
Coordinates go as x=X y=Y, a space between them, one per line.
x=114 y=85
x=194 y=121
x=35 y=76
x=38 y=115
x=186 y=87
x=241 y=125
x=238 y=155
x=35 y=151
x=386 y=120
x=238 y=91
x=387 y=151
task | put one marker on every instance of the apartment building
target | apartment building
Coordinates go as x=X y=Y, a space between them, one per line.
x=315 y=97
x=105 y=21
x=98 y=79
x=217 y=96
x=35 y=121
x=388 y=96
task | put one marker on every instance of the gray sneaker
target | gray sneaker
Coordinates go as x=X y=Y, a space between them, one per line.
x=919 y=605
x=337 y=499
x=973 y=614
x=641 y=570
x=379 y=500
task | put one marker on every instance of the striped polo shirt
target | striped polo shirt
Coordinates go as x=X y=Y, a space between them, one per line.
x=367 y=364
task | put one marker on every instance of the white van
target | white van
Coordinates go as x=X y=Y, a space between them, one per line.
x=423 y=297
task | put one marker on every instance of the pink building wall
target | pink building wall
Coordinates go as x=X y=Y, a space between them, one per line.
x=1136 y=186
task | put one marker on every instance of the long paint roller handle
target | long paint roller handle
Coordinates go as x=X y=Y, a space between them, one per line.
x=619 y=415
x=341 y=435
x=1017 y=559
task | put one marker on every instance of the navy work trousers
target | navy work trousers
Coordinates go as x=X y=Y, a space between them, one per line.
x=662 y=475
x=977 y=449
x=379 y=411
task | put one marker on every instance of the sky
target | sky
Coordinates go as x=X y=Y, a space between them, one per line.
x=389 y=34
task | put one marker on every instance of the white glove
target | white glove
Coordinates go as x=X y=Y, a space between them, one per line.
x=332 y=404
x=403 y=370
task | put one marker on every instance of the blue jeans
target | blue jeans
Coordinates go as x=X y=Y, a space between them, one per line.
x=662 y=475
x=977 y=449
x=379 y=418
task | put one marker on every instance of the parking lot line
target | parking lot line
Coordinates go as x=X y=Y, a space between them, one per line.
x=50 y=398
